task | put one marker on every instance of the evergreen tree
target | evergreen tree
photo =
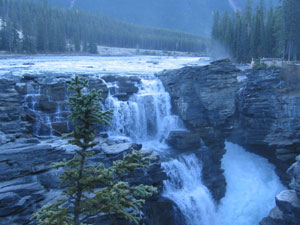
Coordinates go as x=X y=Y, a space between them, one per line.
x=91 y=191
x=291 y=16
x=263 y=33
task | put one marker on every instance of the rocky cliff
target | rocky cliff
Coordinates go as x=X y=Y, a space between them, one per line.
x=35 y=106
x=257 y=109
x=204 y=98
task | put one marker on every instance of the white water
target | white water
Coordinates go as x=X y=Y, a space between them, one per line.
x=185 y=188
x=146 y=118
x=252 y=185
x=251 y=189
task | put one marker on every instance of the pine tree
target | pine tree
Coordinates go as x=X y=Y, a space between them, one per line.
x=83 y=198
x=291 y=17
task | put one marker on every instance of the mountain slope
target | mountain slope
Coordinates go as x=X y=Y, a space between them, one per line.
x=194 y=16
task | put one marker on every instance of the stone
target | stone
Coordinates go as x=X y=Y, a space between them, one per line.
x=294 y=173
x=184 y=140
x=3 y=138
x=61 y=127
x=288 y=202
x=47 y=106
x=116 y=148
x=164 y=211
x=204 y=98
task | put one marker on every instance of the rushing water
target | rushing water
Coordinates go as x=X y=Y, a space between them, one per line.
x=146 y=118
x=252 y=185
x=185 y=188
x=252 y=182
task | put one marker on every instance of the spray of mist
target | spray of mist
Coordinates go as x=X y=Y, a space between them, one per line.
x=234 y=7
x=72 y=3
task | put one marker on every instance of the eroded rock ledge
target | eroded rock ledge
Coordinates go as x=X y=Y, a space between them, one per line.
x=256 y=109
x=28 y=181
x=204 y=98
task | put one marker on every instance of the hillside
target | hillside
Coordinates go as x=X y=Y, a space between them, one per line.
x=31 y=27
x=194 y=16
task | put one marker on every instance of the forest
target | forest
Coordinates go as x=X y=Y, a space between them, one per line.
x=38 y=27
x=256 y=32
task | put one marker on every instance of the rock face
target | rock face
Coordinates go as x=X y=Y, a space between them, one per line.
x=204 y=98
x=184 y=140
x=256 y=109
x=27 y=181
x=267 y=119
x=37 y=103
x=294 y=173
x=287 y=210
x=124 y=86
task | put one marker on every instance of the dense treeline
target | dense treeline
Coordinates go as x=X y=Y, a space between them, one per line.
x=30 y=27
x=260 y=32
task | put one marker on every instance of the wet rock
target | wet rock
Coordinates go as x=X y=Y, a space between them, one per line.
x=294 y=173
x=47 y=106
x=3 y=138
x=204 y=98
x=287 y=210
x=164 y=211
x=27 y=180
x=267 y=119
x=184 y=140
x=126 y=86
x=116 y=149
x=61 y=127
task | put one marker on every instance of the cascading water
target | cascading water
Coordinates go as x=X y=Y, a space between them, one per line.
x=185 y=188
x=252 y=183
x=146 y=116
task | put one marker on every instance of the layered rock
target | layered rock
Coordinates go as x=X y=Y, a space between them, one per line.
x=267 y=118
x=28 y=181
x=36 y=103
x=287 y=210
x=294 y=173
x=204 y=98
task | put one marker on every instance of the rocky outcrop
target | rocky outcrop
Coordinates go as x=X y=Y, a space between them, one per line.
x=27 y=180
x=294 y=173
x=256 y=109
x=267 y=118
x=184 y=140
x=204 y=98
x=287 y=210
x=123 y=86
x=36 y=103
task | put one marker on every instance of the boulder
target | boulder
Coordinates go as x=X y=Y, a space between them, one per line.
x=3 y=138
x=125 y=86
x=184 y=140
x=294 y=173
x=287 y=210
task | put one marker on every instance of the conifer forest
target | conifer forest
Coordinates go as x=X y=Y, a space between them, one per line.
x=38 y=27
x=260 y=31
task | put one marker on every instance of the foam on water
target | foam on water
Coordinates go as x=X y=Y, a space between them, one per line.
x=252 y=185
x=185 y=188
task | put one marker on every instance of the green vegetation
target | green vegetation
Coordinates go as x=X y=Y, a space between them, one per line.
x=92 y=191
x=31 y=27
x=260 y=33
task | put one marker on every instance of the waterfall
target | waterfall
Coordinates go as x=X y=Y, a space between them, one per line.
x=146 y=118
x=146 y=115
x=185 y=188
x=252 y=185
